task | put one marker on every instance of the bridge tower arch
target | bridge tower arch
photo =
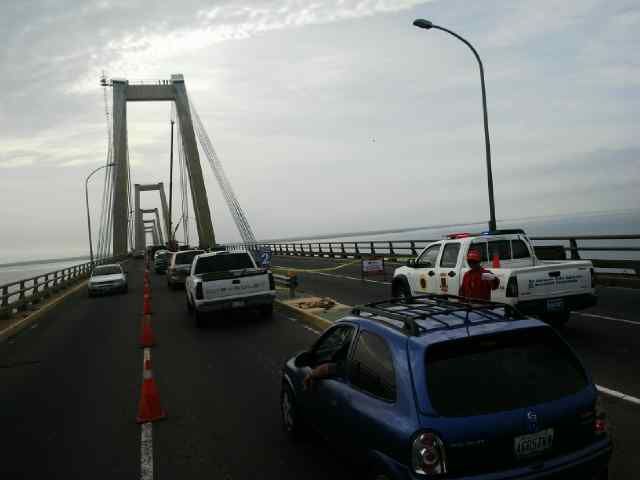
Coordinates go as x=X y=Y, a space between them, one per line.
x=172 y=90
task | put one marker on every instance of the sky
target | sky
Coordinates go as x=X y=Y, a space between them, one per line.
x=328 y=116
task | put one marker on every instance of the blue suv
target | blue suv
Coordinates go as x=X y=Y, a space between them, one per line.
x=433 y=387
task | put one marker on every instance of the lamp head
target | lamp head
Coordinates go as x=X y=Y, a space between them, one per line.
x=422 y=23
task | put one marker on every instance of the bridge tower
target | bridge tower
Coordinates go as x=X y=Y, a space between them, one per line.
x=139 y=230
x=172 y=90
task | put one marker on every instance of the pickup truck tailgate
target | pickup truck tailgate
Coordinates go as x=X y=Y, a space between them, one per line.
x=554 y=280
x=236 y=283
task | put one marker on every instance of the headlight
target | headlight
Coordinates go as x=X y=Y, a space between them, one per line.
x=428 y=456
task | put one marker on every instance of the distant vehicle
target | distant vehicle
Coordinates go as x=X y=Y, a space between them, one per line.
x=152 y=249
x=107 y=279
x=548 y=289
x=228 y=281
x=428 y=388
x=180 y=266
x=161 y=260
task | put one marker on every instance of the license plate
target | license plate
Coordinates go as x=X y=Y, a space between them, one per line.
x=555 y=305
x=533 y=443
x=237 y=304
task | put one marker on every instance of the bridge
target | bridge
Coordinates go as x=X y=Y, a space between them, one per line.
x=72 y=367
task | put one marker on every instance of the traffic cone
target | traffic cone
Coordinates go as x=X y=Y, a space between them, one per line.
x=149 y=409
x=146 y=275
x=147 y=338
x=146 y=306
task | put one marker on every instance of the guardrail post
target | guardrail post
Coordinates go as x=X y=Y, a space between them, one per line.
x=413 y=248
x=295 y=250
x=575 y=253
x=391 y=252
x=5 y=311
x=373 y=249
x=331 y=254
x=310 y=249
x=320 y=253
x=21 y=300
x=357 y=253
x=35 y=294
x=342 y=250
x=293 y=283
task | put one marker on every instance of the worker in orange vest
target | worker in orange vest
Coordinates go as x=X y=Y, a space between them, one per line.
x=477 y=282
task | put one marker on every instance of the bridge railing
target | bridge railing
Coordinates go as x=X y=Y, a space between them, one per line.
x=612 y=255
x=27 y=293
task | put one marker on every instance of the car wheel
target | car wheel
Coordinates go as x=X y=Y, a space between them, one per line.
x=267 y=311
x=400 y=289
x=289 y=413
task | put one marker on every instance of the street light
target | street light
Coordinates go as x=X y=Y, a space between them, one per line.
x=427 y=25
x=86 y=195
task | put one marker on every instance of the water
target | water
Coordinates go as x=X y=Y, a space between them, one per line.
x=20 y=272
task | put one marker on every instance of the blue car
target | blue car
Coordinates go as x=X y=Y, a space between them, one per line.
x=433 y=387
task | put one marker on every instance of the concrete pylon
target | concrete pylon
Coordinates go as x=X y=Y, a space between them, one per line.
x=157 y=220
x=165 y=90
x=140 y=240
x=154 y=230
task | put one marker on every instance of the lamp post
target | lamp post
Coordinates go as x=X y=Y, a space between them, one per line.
x=427 y=25
x=86 y=195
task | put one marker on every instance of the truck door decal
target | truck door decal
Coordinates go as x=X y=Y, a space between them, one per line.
x=423 y=281
x=444 y=287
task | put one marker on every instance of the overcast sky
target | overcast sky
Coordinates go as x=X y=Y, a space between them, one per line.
x=328 y=116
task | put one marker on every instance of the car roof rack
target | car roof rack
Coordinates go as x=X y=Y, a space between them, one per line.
x=404 y=313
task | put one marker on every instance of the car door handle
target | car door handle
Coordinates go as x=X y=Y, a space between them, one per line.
x=451 y=273
x=431 y=273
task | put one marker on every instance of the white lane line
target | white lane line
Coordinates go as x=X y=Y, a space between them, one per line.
x=146 y=451
x=306 y=327
x=350 y=278
x=146 y=436
x=620 y=395
x=605 y=317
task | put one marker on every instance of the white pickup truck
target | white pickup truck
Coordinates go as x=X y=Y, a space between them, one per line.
x=548 y=289
x=226 y=281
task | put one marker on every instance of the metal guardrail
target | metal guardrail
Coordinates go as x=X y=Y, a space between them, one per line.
x=27 y=293
x=572 y=245
x=288 y=281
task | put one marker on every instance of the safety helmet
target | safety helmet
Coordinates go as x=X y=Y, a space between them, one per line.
x=473 y=256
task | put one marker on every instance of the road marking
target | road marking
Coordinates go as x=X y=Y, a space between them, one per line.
x=314 y=270
x=146 y=435
x=604 y=317
x=620 y=395
x=146 y=451
x=347 y=277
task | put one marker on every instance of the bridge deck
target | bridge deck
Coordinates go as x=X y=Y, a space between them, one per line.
x=70 y=386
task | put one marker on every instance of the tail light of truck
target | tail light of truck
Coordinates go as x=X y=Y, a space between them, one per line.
x=199 y=293
x=512 y=287
x=428 y=455
x=272 y=282
x=600 y=424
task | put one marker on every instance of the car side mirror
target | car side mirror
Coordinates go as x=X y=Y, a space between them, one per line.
x=305 y=359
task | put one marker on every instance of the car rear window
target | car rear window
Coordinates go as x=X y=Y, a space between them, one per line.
x=107 y=270
x=223 y=262
x=187 y=257
x=481 y=375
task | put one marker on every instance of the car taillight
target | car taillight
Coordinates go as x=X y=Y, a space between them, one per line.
x=600 y=425
x=427 y=454
x=272 y=282
x=199 y=294
x=512 y=287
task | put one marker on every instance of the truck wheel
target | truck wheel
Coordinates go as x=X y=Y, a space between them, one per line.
x=189 y=306
x=400 y=289
x=267 y=310
x=558 y=320
x=198 y=318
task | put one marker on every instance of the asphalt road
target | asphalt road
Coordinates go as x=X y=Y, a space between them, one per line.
x=69 y=389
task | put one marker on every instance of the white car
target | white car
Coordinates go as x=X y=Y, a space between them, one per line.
x=228 y=281
x=108 y=279
x=548 y=289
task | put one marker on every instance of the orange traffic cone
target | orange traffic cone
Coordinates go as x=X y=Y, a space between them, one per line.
x=146 y=274
x=147 y=338
x=149 y=409
x=147 y=305
x=146 y=289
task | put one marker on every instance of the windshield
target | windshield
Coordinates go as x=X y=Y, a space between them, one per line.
x=107 y=270
x=187 y=257
x=223 y=262
x=481 y=375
